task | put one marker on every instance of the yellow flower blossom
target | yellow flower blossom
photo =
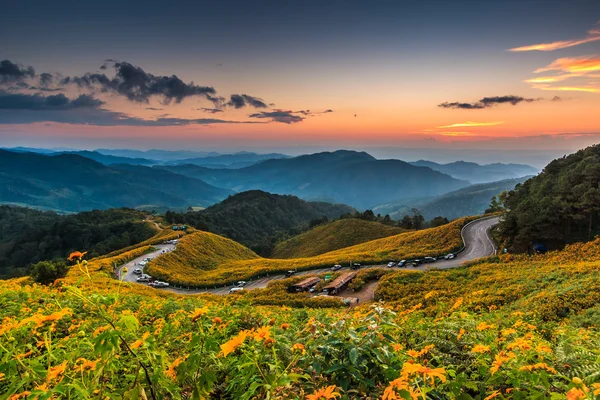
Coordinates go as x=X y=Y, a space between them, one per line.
x=299 y=347
x=198 y=312
x=484 y=326
x=233 y=343
x=55 y=372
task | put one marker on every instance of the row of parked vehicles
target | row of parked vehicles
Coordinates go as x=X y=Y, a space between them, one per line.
x=145 y=278
x=419 y=261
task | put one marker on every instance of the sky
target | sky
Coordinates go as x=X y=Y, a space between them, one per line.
x=397 y=77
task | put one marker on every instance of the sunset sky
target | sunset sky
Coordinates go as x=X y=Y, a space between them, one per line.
x=292 y=76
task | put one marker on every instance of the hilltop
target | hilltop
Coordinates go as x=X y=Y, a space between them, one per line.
x=333 y=236
x=258 y=219
x=477 y=173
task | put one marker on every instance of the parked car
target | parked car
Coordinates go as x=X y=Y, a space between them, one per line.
x=241 y=284
x=158 y=284
x=429 y=259
x=148 y=259
x=355 y=266
x=336 y=267
x=144 y=278
x=143 y=263
x=402 y=263
x=311 y=290
x=391 y=264
x=235 y=289
x=416 y=262
x=289 y=273
x=137 y=271
x=449 y=256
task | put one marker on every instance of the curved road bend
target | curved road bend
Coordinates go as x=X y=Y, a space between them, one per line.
x=478 y=244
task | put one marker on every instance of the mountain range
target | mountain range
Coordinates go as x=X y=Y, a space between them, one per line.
x=348 y=177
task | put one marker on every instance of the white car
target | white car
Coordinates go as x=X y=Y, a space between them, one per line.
x=143 y=263
x=137 y=271
x=449 y=256
x=235 y=289
x=144 y=278
x=241 y=284
x=391 y=264
x=158 y=284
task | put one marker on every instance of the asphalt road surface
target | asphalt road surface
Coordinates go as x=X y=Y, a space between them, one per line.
x=476 y=237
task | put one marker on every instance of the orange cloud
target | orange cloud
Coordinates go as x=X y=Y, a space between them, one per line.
x=576 y=65
x=571 y=89
x=592 y=36
x=470 y=124
x=457 y=134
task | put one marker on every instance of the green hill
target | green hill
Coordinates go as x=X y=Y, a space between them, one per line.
x=333 y=236
x=257 y=219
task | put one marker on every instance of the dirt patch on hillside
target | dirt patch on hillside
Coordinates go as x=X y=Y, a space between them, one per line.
x=365 y=295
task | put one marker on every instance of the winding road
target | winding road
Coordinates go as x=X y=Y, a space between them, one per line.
x=475 y=234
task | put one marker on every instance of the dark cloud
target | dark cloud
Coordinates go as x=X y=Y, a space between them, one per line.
x=211 y=110
x=85 y=109
x=18 y=101
x=154 y=109
x=11 y=72
x=557 y=98
x=46 y=79
x=139 y=86
x=488 y=102
x=243 y=100
x=286 y=117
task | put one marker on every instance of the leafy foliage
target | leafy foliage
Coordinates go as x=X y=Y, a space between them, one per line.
x=29 y=236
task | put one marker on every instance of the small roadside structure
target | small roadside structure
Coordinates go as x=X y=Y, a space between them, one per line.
x=179 y=227
x=305 y=284
x=340 y=282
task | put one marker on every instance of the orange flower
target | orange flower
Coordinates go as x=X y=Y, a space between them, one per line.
x=480 y=348
x=217 y=320
x=198 y=312
x=483 y=326
x=170 y=372
x=500 y=359
x=327 y=393
x=460 y=333
x=233 y=343
x=397 y=384
x=262 y=333
x=494 y=394
x=576 y=394
x=418 y=369
x=76 y=255
x=285 y=326
x=457 y=304
x=299 y=347
x=87 y=364
x=55 y=372
x=537 y=366
x=596 y=387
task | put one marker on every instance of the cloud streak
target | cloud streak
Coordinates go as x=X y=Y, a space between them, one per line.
x=470 y=124
x=593 y=35
x=488 y=102
x=243 y=100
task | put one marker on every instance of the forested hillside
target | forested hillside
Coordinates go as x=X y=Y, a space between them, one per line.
x=561 y=205
x=258 y=219
x=28 y=236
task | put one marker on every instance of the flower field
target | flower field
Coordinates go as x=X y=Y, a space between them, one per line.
x=205 y=260
x=68 y=342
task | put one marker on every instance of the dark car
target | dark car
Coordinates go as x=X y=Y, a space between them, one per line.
x=289 y=273
x=336 y=267
x=429 y=260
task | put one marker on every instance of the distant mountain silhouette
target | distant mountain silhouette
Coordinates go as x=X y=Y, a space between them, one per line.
x=236 y=160
x=348 y=177
x=477 y=173
x=70 y=182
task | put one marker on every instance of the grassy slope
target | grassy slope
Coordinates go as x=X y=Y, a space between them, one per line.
x=333 y=236
x=553 y=285
x=191 y=267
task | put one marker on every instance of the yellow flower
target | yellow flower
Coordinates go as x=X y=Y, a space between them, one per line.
x=596 y=387
x=500 y=359
x=233 y=343
x=140 y=342
x=520 y=344
x=87 y=364
x=2 y=376
x=397 y=384
x=457 y=304
x=418 y=369
x=577 y=381
x=198 y=312
x=55 y=372
x=327 y=393
x=217 y=320
x=480 y=348
x=461 y=332
x=285 y=326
